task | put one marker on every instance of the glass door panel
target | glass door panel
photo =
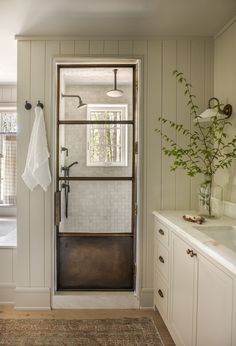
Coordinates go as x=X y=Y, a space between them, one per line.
x=97 y=207
x=97 y=150
x=81 y=87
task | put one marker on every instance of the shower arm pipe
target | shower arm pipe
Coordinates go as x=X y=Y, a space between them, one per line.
x=115 y=78
x=77 y=96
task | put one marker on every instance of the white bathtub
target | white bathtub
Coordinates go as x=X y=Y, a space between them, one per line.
x=7 y=232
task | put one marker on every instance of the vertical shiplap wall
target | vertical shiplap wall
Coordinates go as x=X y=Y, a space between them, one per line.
x=160 y=95
x=7 y=255
x=224 y=90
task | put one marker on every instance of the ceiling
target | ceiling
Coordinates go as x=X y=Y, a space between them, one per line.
x=106 y=18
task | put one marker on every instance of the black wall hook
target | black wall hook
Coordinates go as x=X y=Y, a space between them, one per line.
x=28 y=105
x=40 y=104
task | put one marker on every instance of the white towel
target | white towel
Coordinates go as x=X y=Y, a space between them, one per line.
x=37 y=167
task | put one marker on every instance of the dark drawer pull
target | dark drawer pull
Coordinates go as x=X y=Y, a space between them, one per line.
x=191 y=253
x=160 y=293
x=161 y=231
x=161 y=259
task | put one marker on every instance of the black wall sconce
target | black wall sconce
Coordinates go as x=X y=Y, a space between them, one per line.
x=216 y=110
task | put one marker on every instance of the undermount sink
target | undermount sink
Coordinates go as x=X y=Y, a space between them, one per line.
x=225 y=235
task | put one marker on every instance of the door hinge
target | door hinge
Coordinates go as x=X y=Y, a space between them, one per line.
x=136 y=85
x=136 y=209
x=136 y=148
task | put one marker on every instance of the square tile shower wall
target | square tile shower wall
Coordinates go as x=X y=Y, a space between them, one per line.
x=98 y=207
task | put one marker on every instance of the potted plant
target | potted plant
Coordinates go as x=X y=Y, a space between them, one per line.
x=208 y=148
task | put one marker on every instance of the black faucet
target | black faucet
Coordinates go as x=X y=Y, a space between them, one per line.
x=66 y=184
x=66 y=169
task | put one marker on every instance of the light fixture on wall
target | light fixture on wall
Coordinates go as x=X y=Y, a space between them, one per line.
x=115 y=92
x=212 y=111
x=81 y=103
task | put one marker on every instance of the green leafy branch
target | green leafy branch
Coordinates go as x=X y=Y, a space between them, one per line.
x=208 y=148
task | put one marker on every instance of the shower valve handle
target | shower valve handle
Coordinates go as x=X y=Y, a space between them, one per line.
x=65 y=149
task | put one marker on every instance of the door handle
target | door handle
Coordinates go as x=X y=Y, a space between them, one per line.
x=57 y=208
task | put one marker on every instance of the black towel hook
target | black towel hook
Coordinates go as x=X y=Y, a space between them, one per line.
x=28 y=105
x=40 y=104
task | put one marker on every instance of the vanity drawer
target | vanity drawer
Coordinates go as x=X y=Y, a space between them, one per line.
x=160 y=295
x=162 y=259
x=161 y=232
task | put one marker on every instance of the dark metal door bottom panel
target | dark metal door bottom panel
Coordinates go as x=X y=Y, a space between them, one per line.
x=95 y=263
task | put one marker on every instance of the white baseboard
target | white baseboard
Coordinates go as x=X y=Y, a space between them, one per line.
x=95 y=300
x=7 y=293
x=146 y=298
x=32 y=298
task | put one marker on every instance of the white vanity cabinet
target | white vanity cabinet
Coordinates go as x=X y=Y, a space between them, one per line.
x=161 y=273
x=199 y=293
x=214 y=305
x=182 y=291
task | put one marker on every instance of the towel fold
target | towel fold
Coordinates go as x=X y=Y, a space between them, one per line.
x=37 y=170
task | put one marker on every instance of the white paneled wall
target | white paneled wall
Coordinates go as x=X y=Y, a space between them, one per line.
x=224 y=90
x=160 y=95
x=7 y=255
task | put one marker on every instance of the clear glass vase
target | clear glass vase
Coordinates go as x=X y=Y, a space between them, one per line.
x=210 y=199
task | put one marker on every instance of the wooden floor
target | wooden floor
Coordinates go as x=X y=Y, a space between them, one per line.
x=8 y=312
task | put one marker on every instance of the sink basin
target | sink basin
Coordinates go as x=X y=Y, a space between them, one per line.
x=225 y=235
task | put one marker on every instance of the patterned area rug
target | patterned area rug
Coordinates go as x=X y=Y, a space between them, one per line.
x=109 y=332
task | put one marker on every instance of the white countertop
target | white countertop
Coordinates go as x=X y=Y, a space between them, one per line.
x=219 y=252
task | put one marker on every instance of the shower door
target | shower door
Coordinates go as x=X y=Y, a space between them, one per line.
x=95 y=198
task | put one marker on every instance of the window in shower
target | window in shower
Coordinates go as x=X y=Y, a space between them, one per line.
x=8 y=128
x=107 y=143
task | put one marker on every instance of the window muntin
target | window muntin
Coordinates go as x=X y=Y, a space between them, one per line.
x=107 y=143
x=8 y=129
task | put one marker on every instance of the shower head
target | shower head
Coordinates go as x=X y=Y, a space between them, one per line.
x=81 y=103
x=115 y=92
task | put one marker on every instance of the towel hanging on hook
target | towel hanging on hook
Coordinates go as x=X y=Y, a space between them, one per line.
x=37 y=171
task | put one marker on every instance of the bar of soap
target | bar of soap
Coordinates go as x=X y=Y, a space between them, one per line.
x=194 y=218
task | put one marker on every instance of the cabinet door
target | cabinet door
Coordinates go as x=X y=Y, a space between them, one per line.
x=183 y=290
x=215 y=302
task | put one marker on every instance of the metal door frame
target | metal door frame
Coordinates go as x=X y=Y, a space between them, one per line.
x=134 y=123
